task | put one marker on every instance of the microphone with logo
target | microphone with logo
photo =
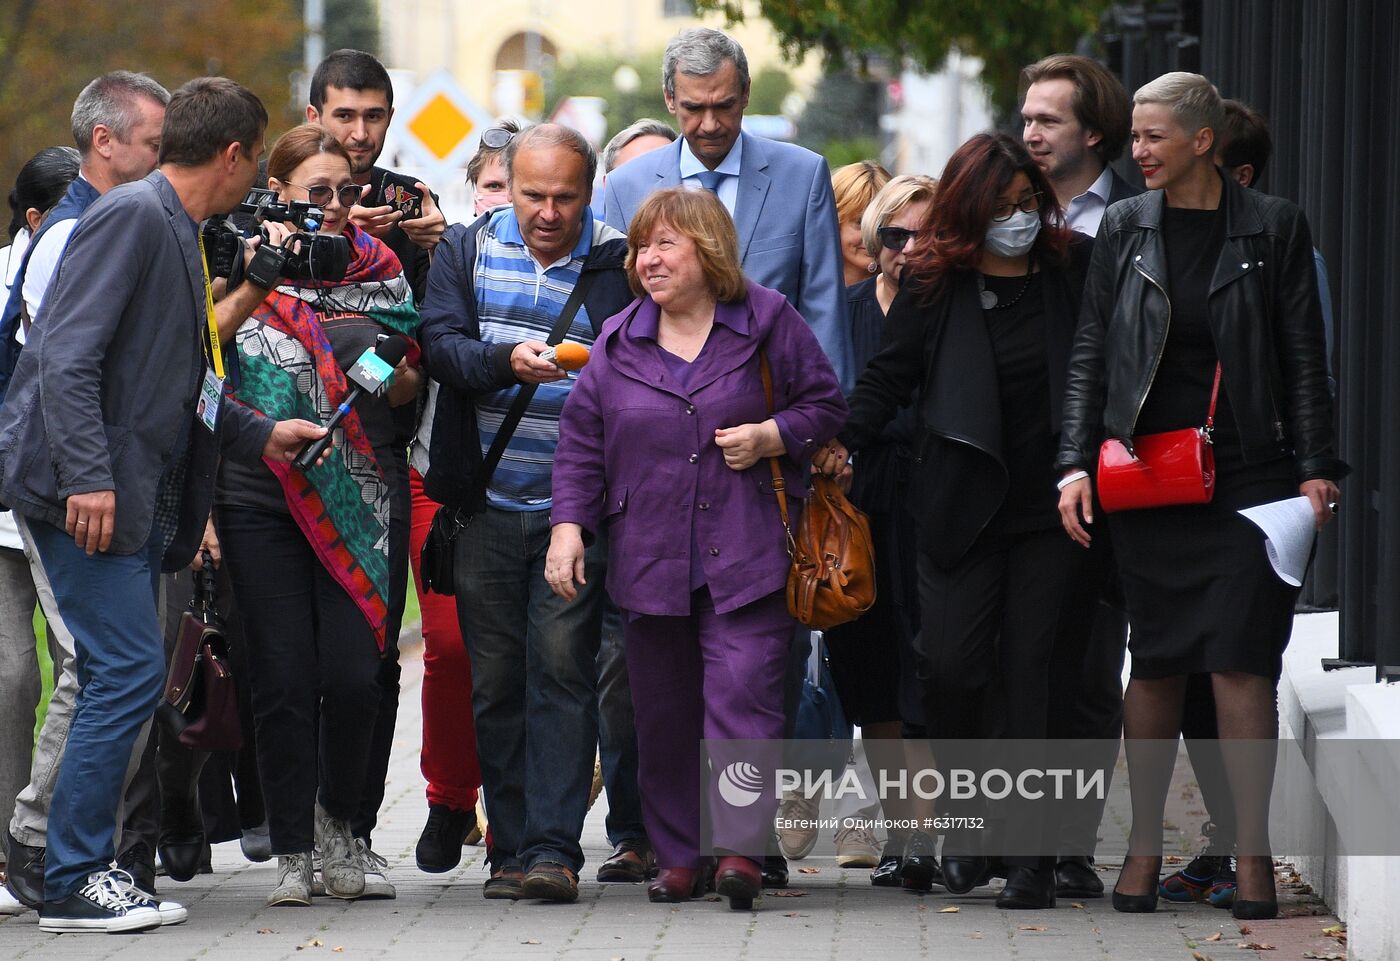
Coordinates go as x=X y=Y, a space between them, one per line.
x=371 y=375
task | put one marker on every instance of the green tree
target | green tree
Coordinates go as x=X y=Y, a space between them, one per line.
x=50 y=49
x=767 y=89
x=592 y=76
x=353 y=24
x=1005 y=34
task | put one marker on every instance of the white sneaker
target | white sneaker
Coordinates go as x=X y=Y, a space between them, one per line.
x=9 y=904
x=170 y=911
x=857 y=847
x=799 y=836
x=101 y=906
x=341 y=872
x=377 y=886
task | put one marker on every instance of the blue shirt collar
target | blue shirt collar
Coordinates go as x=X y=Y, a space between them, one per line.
x=731 y=164
x=506 y=229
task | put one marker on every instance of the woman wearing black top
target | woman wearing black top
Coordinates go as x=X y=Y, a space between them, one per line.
x=981 y=330
x=1199 y=275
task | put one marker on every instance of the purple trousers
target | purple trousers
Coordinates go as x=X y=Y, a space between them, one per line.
x=712 y=676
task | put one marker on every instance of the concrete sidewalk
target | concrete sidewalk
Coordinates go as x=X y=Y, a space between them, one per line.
x=827 y=913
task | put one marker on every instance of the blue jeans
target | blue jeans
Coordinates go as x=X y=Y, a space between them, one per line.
x=110 y=604
x=617 y=734
x=534 y=679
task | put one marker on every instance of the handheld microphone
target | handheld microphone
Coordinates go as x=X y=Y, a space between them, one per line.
x=566 y=356
x=370 y=375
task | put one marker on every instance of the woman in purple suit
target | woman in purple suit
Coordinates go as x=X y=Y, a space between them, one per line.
x=662 y=448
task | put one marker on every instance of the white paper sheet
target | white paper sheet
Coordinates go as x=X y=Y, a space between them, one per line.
x=1289 y=529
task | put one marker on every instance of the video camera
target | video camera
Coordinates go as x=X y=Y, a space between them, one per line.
x=305 y=255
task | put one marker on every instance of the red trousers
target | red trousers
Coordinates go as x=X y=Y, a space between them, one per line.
x=448 y=759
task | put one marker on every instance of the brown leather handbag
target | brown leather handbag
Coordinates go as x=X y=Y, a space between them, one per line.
x=832 y=577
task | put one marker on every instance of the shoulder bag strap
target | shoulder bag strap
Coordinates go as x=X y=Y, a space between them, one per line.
x=1214 y=395
x=527 y=391
x=779 y=484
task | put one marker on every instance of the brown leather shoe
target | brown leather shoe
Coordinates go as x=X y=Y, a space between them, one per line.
x=631 y=862
x=550 y=881
x=504 y=884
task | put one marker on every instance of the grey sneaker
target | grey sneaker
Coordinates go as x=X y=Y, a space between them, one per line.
x=377 y=886
x=341 y=871
x=293 y=881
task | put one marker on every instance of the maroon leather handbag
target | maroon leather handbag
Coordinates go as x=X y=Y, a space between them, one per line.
x=200 y=703
x=1160 y=470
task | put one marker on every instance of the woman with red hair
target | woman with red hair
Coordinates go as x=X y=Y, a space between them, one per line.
x=980 y=333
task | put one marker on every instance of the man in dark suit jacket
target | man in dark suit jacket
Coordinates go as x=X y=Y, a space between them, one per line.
x=104 y=460
x=779 y=194
x=1077 y=119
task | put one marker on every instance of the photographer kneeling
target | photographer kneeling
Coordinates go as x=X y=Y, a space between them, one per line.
x=315 y=555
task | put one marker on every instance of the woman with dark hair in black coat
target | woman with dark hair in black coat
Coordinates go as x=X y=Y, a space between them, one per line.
x=981 y=331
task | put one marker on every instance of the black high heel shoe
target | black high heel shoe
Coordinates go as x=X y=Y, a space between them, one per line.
x=920 y=870
x=1253 y=910
x=1138 y=903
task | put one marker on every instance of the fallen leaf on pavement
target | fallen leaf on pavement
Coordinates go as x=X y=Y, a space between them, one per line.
x=809 y=870
x=1200 y=957
x=1032 y=927
x=949 y=910
x=1076 y=904
x=1172 y=859
x=1255 y=946
x=270 y=931
x=1216 y=936
x=1329 y=956
x=338 y=948
x=788 y=893
x=531 y=941
x=976 y=935
x=1244 y=929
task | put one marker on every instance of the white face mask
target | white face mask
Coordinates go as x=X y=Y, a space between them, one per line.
x=1015 y=235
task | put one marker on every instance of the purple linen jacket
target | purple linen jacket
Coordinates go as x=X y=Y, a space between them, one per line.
x=637 y=455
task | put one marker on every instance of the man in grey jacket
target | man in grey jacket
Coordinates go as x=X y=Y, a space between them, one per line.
x=108 y=458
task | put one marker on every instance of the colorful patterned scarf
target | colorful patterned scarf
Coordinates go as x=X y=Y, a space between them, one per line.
x=289 y=371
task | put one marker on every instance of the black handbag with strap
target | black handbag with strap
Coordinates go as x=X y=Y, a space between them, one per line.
x=436 y=562
x=200 y=702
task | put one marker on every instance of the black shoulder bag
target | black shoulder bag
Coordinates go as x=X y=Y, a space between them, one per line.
x=437 y=561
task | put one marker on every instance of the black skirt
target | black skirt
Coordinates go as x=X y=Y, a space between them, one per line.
x=1200 y=592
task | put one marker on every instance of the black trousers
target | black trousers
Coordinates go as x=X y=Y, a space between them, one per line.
x=988 y=634
x=315 y=674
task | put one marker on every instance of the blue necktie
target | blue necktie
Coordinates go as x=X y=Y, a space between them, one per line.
x=710 y=180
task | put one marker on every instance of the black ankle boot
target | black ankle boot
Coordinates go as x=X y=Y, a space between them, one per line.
x=1027 y=887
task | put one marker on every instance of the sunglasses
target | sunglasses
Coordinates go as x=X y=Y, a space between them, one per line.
x=496 y=137
x=894 y=238
x=320 y=195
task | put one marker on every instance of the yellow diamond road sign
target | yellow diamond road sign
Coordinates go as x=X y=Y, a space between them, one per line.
x=440 y=124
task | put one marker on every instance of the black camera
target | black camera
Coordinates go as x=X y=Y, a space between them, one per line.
x=305 y=255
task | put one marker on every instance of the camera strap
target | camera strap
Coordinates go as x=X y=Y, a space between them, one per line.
x=527 y=391
x=214 y=355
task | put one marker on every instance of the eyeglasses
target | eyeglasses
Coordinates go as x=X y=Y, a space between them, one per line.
x=496 y=137
x=320 y=194
x=894 y=238
x=1027 y=205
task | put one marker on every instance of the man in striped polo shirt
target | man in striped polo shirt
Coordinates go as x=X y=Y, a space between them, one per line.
x=496 y=289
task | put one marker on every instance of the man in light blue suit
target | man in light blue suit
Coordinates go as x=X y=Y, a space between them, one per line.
x=779 y=194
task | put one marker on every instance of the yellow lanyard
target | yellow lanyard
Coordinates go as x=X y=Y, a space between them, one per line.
x=216 y=356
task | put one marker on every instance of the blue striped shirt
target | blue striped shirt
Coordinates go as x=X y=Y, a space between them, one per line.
x=518 y=300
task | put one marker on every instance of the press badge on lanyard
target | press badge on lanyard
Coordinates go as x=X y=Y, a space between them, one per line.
x=211 y=394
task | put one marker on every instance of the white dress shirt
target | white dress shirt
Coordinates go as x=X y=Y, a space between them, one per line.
x=1086 y=211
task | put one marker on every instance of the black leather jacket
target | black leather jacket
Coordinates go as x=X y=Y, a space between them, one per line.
x=1264 y=314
